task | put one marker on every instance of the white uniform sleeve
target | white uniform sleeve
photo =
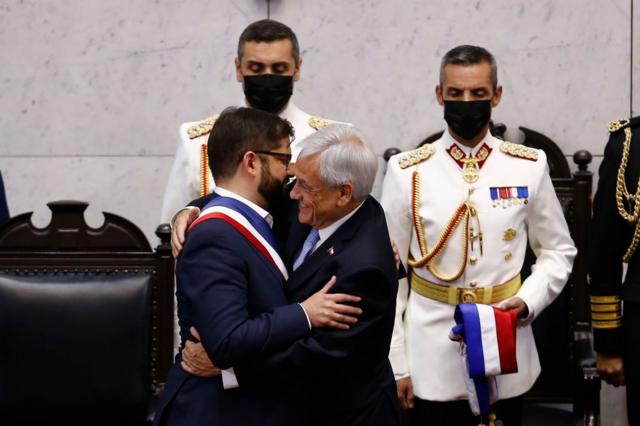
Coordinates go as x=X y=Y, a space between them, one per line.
x=182 y=185
x=551 y=242
x=396 y=201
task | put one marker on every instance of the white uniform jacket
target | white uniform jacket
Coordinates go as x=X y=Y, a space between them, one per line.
x=185 y=182
x=420 y=345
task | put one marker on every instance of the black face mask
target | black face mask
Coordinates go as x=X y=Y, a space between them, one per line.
x=467 y=119
x=268 y=92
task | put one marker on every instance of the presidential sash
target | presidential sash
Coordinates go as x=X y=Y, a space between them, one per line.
x=249 y=223
x=488 y=336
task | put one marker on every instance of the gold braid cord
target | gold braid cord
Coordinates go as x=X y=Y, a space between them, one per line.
x=461 y=215
x=632 y=200
x=204 y=170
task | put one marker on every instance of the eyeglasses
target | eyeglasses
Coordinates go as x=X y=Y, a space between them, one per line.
x=282 y=156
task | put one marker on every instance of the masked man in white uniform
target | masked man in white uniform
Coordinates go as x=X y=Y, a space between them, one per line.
x=267 y=65
x=461 y=211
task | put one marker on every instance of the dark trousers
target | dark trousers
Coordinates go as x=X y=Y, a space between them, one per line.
x=633 y=408
x=458 y=413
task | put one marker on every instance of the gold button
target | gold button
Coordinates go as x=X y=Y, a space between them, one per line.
x=473 y=260
x=508 y=255
x=473 y=283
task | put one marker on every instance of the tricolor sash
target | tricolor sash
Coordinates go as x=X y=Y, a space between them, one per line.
x=489 y=336
x=249 y=223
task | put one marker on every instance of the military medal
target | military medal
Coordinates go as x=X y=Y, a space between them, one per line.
x=470 y=172
x=506 y=196
x=470 y=166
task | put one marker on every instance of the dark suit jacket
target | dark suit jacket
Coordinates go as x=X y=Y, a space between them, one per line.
x=611 y=236
x=347 y=376
x=235 y=298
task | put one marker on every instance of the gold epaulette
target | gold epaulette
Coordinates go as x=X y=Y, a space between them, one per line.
x=520 y=151
x=318 y=123
x=416 y=156
x=606 y=312
x=616 y=125
x=202 y=127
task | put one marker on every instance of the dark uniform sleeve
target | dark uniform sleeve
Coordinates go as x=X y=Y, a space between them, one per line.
x=609 y=241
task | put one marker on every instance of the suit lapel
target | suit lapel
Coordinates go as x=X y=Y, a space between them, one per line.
x=327 y=250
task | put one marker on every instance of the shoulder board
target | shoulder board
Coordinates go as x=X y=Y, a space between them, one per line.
x=617 y=125
x=318 y=123
x=202 y=127
x=416 y=156
x=519 y=150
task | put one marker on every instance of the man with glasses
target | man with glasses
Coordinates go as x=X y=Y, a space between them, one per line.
x=231 y=280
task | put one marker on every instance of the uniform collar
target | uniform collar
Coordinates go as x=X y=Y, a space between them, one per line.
x=449 y=140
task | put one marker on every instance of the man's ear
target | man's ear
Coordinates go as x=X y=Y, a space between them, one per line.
x=296 y=75
x=345 y=194
x=250 y=164
x=239 y=76
x=497 y=95
x=439 y=96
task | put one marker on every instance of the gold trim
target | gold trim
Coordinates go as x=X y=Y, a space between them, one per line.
x=602 y=325
x=318 y=123
x=464 y=214
x=605 y=299
x=631 y=211
x=454 y=295
x=204 y=170
x=616 y=125
x=202 y=127
x=520 y=151
x=606 y=316
x=609 y=307
x=416 y=156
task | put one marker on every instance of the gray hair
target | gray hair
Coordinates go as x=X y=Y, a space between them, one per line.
x=469 y=55
x=344 y=158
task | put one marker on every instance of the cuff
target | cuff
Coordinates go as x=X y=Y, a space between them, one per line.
x=399 y=364
x=229 y=379
x=306 y=315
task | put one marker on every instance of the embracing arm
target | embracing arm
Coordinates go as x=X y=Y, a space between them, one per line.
x=213 y=275
x=324 y=348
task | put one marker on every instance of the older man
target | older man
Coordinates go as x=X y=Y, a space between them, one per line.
x=339 y=230
x=230 y=283
x=462 y=211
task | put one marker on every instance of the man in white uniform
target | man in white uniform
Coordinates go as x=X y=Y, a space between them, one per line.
x=267 y=65
x=461 y=211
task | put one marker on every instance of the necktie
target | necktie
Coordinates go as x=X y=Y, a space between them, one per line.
x=308 y=245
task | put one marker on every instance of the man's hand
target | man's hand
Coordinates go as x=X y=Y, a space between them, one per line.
x=183 y=219
x=195 y=360
x=329 y=310
x=517 y=304
x=396 y=254
x=405 y=392
x=611 y=368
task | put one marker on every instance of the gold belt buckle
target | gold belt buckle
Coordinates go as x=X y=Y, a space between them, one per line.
x=468 y=296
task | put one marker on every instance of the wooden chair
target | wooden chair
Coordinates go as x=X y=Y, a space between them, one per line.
x=86 y=320
x=562 y=331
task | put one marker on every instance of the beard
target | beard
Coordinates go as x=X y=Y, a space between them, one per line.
x=272 y=190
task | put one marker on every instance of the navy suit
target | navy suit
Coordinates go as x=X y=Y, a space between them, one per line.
x=235 y=298
x=346 y=375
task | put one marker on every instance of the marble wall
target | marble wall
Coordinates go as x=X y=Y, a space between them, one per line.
x=93 y=92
